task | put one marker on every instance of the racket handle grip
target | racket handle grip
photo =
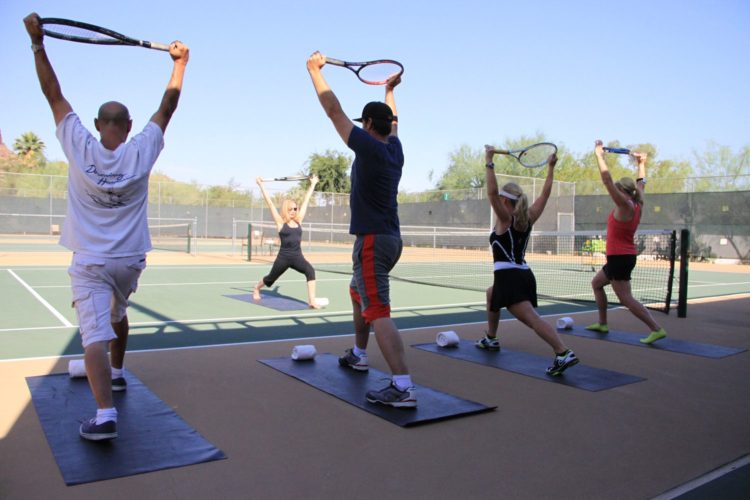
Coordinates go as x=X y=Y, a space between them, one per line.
x=156 y=46
x=335 y=62
x=621 y=151
x=501 y=151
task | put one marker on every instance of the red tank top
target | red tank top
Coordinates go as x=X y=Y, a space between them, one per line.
x=620 y=234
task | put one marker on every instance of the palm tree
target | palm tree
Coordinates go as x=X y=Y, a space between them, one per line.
x=29 y=144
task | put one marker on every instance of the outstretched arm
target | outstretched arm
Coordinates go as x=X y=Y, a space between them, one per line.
x=47 y=78
x=327 y=98
x=274 y=213
x=620 y=198
x=536 y=209
x=303 y=209
x=503 y=216
x=640 y=182
x=390 y=100
x=180 y=54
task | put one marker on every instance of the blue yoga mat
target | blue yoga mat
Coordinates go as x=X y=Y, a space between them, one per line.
x=579 y=376
x=325 y=374
x=666 y=344
x=151 y=435
x=279 y=303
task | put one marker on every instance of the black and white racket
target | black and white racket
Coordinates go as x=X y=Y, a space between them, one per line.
x=371 y=72
x=288 y=178
x=76 y=31
x=619 y=151
x=532 y=156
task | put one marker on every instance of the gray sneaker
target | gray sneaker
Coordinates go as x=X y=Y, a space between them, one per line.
x=488 y=343
x=98 y=432
x=351 y=360
x=392 y=396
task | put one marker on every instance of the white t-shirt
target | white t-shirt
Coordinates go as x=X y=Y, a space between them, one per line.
x=107 y=190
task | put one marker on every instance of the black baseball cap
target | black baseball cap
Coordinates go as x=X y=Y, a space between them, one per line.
x=377 y=111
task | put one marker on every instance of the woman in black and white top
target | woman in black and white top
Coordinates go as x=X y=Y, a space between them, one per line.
x=514 y=285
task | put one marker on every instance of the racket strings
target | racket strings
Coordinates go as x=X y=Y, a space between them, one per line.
x=77 y=32
x=537 y=155
x=378 y=73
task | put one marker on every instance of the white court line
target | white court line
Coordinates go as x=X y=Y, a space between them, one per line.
x=38 y=297
x=252 y=319
x=450 y=325
x=322 y=337
x=704 y=479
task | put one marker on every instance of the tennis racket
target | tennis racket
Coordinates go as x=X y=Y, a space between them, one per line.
x=288 y=178
x=75 y=31
x=532 y=156
x=619 y=151
x=371 y=72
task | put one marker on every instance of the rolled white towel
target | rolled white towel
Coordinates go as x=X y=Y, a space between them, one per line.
x=76 y=368
x=321 y=301
x=448 y=339
x=565 y=323
x=303 y=352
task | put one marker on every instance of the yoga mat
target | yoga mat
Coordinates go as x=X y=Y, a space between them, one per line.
x=666 y=344
x=325 y=374
x=151 y=436
x=275 y=302
x=579 y=376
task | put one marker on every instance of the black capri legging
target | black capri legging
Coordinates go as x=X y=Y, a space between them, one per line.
x=283 y=262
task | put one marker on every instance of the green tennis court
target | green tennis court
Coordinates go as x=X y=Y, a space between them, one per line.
x=188 y=305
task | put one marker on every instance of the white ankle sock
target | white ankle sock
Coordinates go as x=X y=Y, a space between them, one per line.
x=105 y=415
x=402 y=382
x=116 y=372
x=359 y=352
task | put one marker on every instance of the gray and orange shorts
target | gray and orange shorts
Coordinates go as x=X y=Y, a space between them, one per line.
x=373 y=257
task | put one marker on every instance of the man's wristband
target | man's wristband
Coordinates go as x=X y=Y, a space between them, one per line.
x=395 y=118
x=490 y=165
x=641 y=179
x=36 y=47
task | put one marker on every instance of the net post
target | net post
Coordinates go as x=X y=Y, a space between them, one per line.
x=189 y=238
x=682 y=299
x=670 y=281
x=249 y=242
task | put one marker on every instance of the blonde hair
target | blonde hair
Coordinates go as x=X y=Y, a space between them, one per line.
x=285 y=211
x=520 y=206
x=627 y=184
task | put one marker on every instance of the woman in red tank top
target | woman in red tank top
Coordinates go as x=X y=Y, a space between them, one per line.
x=621 y=251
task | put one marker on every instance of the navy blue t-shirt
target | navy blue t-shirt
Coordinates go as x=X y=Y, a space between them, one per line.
x=376 y=172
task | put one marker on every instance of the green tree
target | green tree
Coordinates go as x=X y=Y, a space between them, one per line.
x=721 y=168
x=466 y=169
x=29 y=145
x=332 y=168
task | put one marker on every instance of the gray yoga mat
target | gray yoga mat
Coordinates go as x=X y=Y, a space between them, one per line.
x=325 y=374
x=151 y=435
x=579 y=376
x=666 y=344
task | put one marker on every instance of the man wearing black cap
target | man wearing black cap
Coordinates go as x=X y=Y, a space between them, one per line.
x=376 y=172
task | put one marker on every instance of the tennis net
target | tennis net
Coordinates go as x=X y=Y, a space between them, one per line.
x=173 y=235
x=563 y=262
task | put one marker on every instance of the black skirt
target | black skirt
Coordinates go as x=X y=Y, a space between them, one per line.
x=512 y=286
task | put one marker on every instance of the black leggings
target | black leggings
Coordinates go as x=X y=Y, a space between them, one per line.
x=284 y=262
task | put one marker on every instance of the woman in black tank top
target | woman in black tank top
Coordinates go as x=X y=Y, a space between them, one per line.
x=289 y=226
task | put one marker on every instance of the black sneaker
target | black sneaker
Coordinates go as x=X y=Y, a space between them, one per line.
x=98 y=432
x=392 y=396
x=562 y=362
x=351 y=360
x=119 y=384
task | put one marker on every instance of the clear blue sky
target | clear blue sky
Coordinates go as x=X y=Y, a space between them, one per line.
x=670 y=72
